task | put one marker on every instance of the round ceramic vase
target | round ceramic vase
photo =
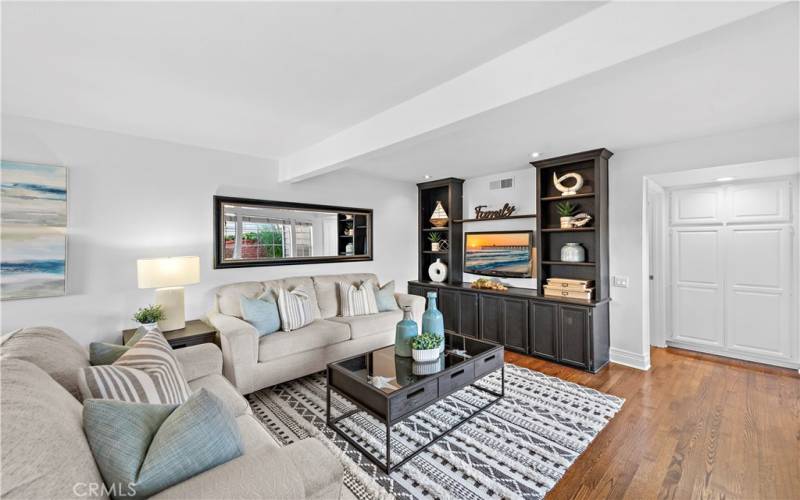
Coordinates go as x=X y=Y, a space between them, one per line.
x=573 y=252
x=438 y=271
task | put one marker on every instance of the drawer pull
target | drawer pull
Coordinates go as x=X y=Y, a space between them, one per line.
x=486 y=360
x=458 y=373
x=415 y=393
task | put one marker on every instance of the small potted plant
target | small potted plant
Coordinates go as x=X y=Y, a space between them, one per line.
x=426 y=347
x=566 y=209
x=149 y=316
x=435 y=238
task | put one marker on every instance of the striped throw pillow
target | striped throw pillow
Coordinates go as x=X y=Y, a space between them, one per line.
x=148 y=372
x=294 y=308
x=357 y=300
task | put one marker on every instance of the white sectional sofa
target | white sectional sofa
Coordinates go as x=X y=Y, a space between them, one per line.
x=252 y=363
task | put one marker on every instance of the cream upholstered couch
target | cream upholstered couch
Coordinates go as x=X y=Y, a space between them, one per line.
x=252 y=363
x=45 y=453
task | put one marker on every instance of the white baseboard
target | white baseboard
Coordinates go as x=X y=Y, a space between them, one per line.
x=735 y=355
x=628 y=358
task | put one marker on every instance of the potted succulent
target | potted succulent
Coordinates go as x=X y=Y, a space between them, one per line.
x=426 y=347
x=566 y=209
x=149 y=316
x=435 y=238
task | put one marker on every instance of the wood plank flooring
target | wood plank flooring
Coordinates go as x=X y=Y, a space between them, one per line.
x=693 y=426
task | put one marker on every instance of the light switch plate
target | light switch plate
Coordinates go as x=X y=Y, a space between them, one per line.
x=621 y=281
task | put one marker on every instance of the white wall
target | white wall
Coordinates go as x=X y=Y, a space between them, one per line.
x=131 y=197
x=630 y=339
x=522 y=195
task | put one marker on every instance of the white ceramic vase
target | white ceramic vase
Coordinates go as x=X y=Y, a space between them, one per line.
x=573 y=252
x=438 y=271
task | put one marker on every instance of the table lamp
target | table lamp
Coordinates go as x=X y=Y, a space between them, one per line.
x=168 y=275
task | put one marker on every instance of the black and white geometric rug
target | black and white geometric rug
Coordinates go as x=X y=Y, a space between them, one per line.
x=518 y=448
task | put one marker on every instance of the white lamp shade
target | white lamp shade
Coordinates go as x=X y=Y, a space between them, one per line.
x=168 y=271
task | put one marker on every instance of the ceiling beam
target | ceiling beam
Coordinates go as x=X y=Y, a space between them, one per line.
x=604 y=37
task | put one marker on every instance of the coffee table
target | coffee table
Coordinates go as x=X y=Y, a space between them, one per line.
x=406 y=387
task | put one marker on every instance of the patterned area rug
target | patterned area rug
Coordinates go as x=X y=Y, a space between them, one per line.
x=518 y=448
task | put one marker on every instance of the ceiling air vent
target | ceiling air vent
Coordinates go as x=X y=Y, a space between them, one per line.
x=502 y=184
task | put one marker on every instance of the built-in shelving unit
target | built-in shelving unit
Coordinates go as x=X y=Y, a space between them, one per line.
x=352 y=228
x=449 y=192
x=592 y=198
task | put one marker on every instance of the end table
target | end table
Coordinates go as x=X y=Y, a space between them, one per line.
x=195 y=332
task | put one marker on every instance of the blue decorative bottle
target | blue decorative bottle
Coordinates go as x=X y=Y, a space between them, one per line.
x=432 y=319
x=406 y=330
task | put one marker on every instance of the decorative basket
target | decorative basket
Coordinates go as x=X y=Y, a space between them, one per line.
x=425 y=355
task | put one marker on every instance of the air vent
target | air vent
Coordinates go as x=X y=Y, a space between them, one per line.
x=502 y=184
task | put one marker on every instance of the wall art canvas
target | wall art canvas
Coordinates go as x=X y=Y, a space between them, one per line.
x=33 y=223
x=502 y=253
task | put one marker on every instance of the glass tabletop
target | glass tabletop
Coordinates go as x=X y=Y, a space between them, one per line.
x=384 y=370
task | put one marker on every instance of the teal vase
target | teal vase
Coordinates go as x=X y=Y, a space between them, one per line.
x=432 y=319
x=405 y=332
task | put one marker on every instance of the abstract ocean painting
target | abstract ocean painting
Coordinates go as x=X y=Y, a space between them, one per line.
x=499 y=254
x=33 y=226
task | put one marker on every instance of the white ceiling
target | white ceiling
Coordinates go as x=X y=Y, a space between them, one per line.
x=739 y=76
x=259 y=78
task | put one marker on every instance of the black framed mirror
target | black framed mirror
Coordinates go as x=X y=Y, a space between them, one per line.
x=252 y=233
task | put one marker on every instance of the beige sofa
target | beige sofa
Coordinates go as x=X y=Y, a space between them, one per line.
x=45 y=453
x=252 y=363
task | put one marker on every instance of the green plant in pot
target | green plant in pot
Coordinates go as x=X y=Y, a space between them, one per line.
x=435 y=238
x=566 y=209
x=149 y=316
x=426 y=347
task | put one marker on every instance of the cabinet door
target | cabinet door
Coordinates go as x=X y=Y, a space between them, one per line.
x=468 y=307
x=516 y=324
x=696 y=206
x=544 y=330
x=492 y=318
x=574 y=332
x=760 y=202
x=449 y=305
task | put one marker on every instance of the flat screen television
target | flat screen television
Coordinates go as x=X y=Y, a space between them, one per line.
x=499 y=253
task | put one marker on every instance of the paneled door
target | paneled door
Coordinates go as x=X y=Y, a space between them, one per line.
x=733 y=275
x=697 y=285
x=758 y=290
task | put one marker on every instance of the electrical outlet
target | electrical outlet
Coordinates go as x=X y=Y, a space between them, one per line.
x=621 y=281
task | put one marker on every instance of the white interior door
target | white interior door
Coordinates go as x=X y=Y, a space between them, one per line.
x=732 y=271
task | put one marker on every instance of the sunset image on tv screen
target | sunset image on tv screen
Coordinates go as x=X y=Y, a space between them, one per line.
x=498 y=254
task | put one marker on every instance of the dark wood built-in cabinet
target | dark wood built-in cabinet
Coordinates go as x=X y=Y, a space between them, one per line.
x=562 y=330
x=569 y=331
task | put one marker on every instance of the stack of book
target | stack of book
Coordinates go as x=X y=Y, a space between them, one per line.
x=568 y=288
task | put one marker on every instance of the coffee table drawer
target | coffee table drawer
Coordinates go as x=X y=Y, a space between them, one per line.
x=488 y=364
x=454 y=381
x=414 y=399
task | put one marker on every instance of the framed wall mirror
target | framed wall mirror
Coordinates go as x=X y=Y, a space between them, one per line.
x=251 y=233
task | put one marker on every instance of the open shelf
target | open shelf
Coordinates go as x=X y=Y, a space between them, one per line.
x=449 y=192
x=571 y=230
x=432 y=229
x=565 y=198
x=438 y=252
x=562 y=263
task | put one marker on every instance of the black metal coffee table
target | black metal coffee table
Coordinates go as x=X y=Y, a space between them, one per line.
x=407 y=387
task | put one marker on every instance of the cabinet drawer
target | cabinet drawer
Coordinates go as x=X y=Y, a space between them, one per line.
x=456 y=380
x=413 y=400
x=488 y=363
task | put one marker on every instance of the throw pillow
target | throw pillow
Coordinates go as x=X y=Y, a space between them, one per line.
x=262 y=313
x=357 y=300
x=142 y=449
x=148 y=372
x=384 y=296
x=105 y=353
x=294 y=308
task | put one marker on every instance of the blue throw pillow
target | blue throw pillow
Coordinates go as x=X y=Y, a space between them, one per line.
x=142 y=449
x=384 y=296
x=262 y=313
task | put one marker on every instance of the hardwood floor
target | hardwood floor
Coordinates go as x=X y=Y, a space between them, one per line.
x=693 y=426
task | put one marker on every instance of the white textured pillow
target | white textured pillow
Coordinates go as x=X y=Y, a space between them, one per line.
x=357 y=300
x=295 y=309
x=147 y=373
